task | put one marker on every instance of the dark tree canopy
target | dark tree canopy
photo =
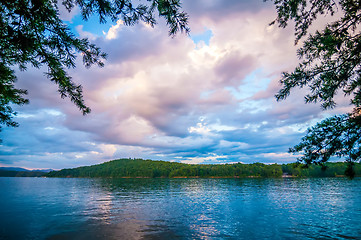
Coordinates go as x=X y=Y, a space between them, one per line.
x=336 y=136
x=135 y=168
x=330 y=65
x=33 y=34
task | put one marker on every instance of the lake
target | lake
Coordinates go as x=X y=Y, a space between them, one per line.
x=289 y=208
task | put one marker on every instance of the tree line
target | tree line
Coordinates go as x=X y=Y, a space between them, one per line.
x=7 y=173
x=133 y=168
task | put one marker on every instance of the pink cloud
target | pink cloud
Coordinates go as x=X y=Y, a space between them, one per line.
x=154 y=88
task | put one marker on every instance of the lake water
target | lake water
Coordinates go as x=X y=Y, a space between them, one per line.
x=43 y=208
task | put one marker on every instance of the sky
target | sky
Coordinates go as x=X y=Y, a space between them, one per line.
x=203 y=98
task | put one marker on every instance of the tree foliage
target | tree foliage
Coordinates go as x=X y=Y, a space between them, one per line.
x=133 y=168
x=33 y=34
x=336 y=136
x=330 y=65
x=136 y=168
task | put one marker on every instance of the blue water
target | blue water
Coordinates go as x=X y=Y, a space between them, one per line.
x=43 y=208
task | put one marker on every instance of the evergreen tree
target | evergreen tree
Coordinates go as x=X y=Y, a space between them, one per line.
x=33 y=34
x=330 y=64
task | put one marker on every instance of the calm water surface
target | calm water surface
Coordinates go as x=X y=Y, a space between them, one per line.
x=43 y=208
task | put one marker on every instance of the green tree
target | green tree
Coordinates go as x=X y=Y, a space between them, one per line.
x=330 y=64
x=33 y=34
x=336 y=136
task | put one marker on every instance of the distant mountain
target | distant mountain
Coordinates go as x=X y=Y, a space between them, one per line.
x=13 y=169
x=43 y=170
x=138 y=168
x=18 y=169
x=22 y=172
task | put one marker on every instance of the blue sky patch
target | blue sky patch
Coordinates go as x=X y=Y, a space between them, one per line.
x=204 y=36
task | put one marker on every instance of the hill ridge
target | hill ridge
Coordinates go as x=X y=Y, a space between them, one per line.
x=139 y=168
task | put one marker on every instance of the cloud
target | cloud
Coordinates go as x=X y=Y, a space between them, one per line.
x=85 y=34
x=169 y=98
x=114 y=30
x=233 y=68
x=65 y=14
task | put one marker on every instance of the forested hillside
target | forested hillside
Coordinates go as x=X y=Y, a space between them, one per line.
x=152 y=169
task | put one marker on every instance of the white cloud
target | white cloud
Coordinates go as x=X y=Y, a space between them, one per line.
x=108 y=150
x=212 y=158
x=114 y=30
x=85 y=34
x=201 y=129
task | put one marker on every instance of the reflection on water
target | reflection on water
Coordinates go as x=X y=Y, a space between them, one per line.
x=39 y=208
